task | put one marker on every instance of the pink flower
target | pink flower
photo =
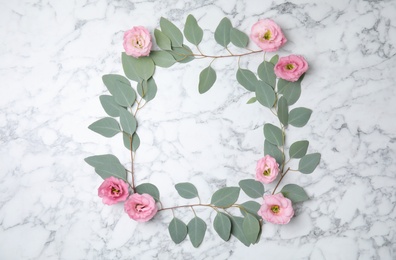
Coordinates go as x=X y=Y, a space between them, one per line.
x=267 y=35
x=276 y=209
x=267 y=169
x=290 y=68
x=137 y=42
x=113 y=190
x=140 y=207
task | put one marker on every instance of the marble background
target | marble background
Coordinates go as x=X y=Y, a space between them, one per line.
x=52 y=57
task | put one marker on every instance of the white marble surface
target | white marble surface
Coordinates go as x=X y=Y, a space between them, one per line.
x=52 y=57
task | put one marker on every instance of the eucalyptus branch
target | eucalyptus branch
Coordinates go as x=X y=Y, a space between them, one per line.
x=283 y=175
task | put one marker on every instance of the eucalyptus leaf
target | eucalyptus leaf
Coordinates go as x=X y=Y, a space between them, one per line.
x=290 y=90
x=150 y=189
x=206 y=79
x=108 y=127
x=274 y=151
x=299 y=116
x=120 y=88
x=162 y=58
x=186 y=190
x=273 y=134
x=274 y=59
x=265 y=94
x=182 y=54
x=196 y=231
x=109 y=105
x=192 y=31
x=144 y=67
x=251 y=228
x=251 y=207
x=222 y=225
x=127 y=138
x=237 y=230
x=247 y=79
x=309 y=162
x=127 y=121
x=251 y=100
x=225 y=197
x=147 y=89
x=222 y=32
x=172 y=32
x=298 y=149
x=107 y=165
x=252 y=188
x=177 y=230
x=129 y=65
x=283 y=111
x=238 y=38
x=295 y=193
x=162 y=40
x=266 y=73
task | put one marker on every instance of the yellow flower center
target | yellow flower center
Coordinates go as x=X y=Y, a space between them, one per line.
x=267 y=35
x=289 y=66
x=275 y=209
x=267 y=172
x=138 y=42
x=114 y=190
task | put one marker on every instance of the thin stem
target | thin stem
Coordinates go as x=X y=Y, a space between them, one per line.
x=224 y=56
x=192 y=208
x=283 y=175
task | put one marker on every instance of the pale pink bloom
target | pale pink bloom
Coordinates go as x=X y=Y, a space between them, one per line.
x=267 y=169
x=140 y=207
x=113 y=190
x=276 y=209
x=137 y=42
x=267 y=35
x=291 y=67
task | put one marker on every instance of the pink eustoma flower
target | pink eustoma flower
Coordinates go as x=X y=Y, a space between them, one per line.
x=140 y=207
x=276 y=209
x=113 y=190
x=267 y=35
x=291 y=67
x=267 y=169
x=137 y=42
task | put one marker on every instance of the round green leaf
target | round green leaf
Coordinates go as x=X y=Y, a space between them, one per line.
x=298 y=149
x=129 y=66
x=206 y=79
x=108 y=127
x=186 y=190
x=283 y=111
x=192 y=31
x=295 y=193
x=251 y=228
x=177 y=230
x=147 y=89
x=109 y=105
x=196 y=231
x=238 y=38
x=150 y=189
x=144 y=67
x=266 y=73
x=162 y=58
x=172 y=32
x=299 y=116
x=237 y=230
x=274 y=59
x=252 y=188
x=162 y=40
x=107 y=165
x=274 y=151
x=251 y=100
x=222 y=32
x=251 y=207
x=290 y=90
x=247 y=79
x=273 y=134
x=127 y=121
x=120 y=88
x=309 y=162
x=265 y=94
x=222 y=226
x=127 y=139
x=182 y=54
x=225 y=197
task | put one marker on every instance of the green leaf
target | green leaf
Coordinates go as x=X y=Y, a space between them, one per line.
x=109 y=105
x=162 y=58
x=186 y=190
x=290 y=90
x=177 y=230
x=274 y=151
x=107 y=165
x=295 y=193
x=225 y=197
x=247 y=79
x=127 y=141
x=107 y=127
x=252 y=188
x=192 y=31
x=238 y=38
x=283 y=111
x=265 y=94
x=162 y=40
x=251 y=228
x=309 y=162
x=196 y=231
x=147 y=89
x=299 y=116
x=128 y=121
x=273 y=134
x=183 y=54
x=298 y=149
x=120 y=88
x=251 y=207
x=237 y=230
x=206 y=79
x=150 y=189
x=266 y=73
x=173 y=33
x=222 y=32
x=251 y=100
x=145 y=67
x=129 y=66
x=274 y=59
x=222 y=226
